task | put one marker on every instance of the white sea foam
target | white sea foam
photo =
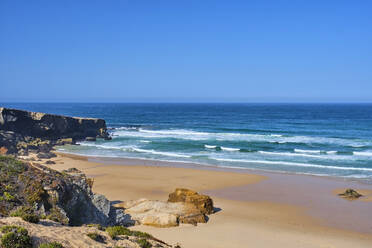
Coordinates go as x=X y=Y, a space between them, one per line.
x=306 y=151
x=145 y=141
x=328 y=155
x=276 y=135
x=366 y=153
x=292 y=164
x=357 y=145
x=273 y=138
x=169 y=154
x=229 y=149
x=126 y=128
x=289 y=154
x=331 y=152
x=210 y=147
x=99 y=146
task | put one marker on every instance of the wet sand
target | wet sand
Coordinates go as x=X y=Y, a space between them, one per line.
x=258 y=209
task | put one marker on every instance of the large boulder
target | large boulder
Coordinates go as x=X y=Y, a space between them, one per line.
x=202 y=202
x=162 y=214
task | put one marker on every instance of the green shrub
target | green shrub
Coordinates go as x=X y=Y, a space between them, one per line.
x=15 y=237
x=8 y=228
x=9 y=187
x=34 y=192
x=96 y=237
x=21 y=211
x=114 y=231
x=11 y=165
x=32 y=218
x=143 y=243
x=141 y=234
x=51 y=245
x=7 y=196
x=26 y=213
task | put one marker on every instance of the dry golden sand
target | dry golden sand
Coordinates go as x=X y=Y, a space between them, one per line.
x=240 y=223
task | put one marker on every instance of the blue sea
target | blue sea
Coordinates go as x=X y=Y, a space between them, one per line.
x=316 y=139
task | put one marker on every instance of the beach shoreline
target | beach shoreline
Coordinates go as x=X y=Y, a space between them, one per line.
x=200 y=166
x=294 y=208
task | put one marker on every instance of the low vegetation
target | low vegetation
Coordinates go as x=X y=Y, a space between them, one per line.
x=143 y=243
x=51 y=245
x=115 y=231
x=15 y=237
x=96 y=237
x=26 y=213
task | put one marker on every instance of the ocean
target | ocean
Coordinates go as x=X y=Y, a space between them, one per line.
x=317 y=139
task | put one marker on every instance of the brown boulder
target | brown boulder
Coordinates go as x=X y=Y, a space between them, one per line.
x=202 y=202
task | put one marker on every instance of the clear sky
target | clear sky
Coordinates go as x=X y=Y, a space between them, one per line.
x=248 y=51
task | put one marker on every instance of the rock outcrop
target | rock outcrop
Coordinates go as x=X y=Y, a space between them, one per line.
x=350 y=194
x=202 y=202
x=48 y=126
x=23 y=131
x=184 y=206
x=63 y=197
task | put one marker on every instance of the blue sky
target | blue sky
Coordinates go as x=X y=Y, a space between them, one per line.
x=249 y=51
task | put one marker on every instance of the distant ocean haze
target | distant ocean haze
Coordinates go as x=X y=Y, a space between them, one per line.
x=317 y=139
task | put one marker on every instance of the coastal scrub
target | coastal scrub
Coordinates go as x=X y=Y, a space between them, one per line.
x=15 y=237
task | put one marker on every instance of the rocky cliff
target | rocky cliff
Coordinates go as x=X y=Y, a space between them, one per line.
x=67 y=197
x=19 y=129
x=48 y=126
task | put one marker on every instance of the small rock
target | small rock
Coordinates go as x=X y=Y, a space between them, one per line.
x=90 y=139
x=66 y=141
x=46 y=155
x=350 y=194
x=50 y=162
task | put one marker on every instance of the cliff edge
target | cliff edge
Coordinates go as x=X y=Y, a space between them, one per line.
x=22 y=130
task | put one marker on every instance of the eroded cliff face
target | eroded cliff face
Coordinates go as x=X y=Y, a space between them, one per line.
x=65 y=197
x=22 y=131
x=48 y=126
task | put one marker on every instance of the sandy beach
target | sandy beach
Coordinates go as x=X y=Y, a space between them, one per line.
x=256 y=209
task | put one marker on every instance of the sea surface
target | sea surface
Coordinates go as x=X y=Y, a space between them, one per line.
x=317 y=139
